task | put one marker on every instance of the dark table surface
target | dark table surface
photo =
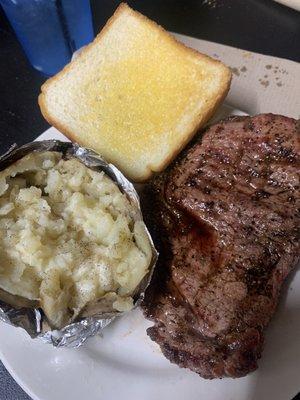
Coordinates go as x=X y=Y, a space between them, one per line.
x=262 y=26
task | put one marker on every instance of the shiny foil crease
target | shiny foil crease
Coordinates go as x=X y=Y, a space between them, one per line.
x=26 y=314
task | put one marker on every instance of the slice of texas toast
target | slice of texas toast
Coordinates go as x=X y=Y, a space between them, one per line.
x=135 y=94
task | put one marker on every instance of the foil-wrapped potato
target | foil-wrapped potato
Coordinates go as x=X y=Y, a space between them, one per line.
x=71 y=238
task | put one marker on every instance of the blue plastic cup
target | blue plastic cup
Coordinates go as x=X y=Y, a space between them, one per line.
x=50 y=30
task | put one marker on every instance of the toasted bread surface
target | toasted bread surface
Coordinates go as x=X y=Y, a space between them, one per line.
x=135 y=94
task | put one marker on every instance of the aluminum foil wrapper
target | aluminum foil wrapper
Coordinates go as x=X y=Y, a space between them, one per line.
x=25 y=313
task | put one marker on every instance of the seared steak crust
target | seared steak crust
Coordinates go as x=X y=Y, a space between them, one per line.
x=226 y=219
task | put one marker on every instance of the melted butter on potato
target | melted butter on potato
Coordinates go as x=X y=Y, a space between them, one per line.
x=67 y=237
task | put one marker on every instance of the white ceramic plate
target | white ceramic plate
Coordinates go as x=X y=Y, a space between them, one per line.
x=126 y=364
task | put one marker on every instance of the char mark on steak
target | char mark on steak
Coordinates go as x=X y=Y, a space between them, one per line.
x=225 y=217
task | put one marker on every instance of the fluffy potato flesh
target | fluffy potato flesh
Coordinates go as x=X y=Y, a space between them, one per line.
x=67 y=237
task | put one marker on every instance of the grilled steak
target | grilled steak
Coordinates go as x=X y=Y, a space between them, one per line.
x=226 y=221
